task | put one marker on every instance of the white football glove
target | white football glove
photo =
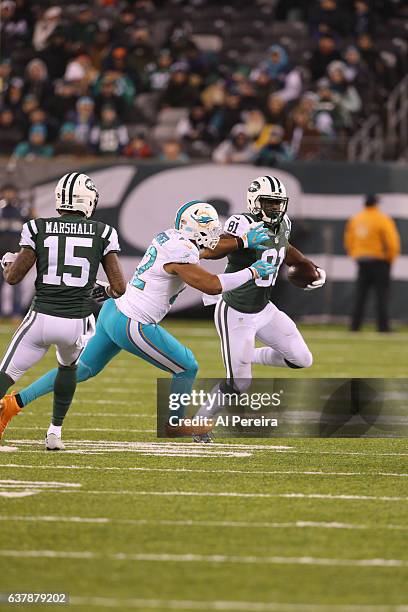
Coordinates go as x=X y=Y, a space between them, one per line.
x=319 y=282
x=8 y=258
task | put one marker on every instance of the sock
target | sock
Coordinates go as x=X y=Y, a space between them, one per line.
x=5 y=383
x=55 y=429
x=64 y=389
x=268 y=356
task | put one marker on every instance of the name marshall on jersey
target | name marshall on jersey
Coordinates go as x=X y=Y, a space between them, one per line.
x=61 y=227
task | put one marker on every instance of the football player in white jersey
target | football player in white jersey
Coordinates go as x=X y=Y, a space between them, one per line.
x=131 y=322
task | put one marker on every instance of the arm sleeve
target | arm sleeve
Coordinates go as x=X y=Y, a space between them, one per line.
x=28 y=236
x=392 y=239
x=111 y=240
x=237 y=225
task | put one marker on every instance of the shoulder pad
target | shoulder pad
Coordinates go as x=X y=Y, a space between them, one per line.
x=238 y=225
x=178 y=250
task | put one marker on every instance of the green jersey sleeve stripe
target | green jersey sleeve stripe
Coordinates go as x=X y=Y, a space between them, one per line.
x=34 y=226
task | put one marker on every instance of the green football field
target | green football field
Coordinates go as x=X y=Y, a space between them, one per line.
x=124 y=521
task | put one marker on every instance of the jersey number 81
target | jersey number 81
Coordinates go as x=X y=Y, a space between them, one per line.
x=275 y=258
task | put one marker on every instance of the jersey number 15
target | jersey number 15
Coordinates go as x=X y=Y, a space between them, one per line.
x=52 y=243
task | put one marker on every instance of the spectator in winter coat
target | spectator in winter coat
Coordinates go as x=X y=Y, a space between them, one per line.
x=329 y=16
x=37 y=82
x=36 y=145
x=83 y=119
x=226 y=116
x=109 y=137
x=194 y=131
x=347 y=95
x=325 y=53
x=276 y=110
x=56 y=55
x=138 y=148
x=158 y=74
x=275 y=150
x=286 y=81
x=171 y=151
x=11 y=132
x=304 y=139
x=67 y=143
x=179 y=93
x=236 y=148
x=45 y=27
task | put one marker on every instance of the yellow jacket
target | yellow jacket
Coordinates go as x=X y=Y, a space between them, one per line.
x=372 y=234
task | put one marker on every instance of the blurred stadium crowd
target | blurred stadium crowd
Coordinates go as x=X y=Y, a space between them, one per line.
x=258 y=80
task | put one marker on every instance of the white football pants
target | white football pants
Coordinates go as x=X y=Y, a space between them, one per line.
x=37 y=333
x=238 y=331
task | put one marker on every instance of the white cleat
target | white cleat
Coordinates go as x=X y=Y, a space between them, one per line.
x=53 y=443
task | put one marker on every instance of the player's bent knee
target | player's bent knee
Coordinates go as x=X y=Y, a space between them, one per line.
x=192 y=366
x=305 y=360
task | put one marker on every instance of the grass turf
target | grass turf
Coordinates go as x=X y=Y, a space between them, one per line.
x=123 y=521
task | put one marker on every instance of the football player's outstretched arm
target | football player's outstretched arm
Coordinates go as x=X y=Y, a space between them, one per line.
x=254 y=237
x=113 y=270
x=15 y=272
x=212 y=284
x=227 y=244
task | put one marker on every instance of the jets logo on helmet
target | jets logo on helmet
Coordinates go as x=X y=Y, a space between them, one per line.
x=267 y=198
x=198 y=221
x=76 y=192
x=254 y=186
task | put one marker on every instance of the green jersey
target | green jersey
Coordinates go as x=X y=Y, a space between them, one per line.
x=255 y=294
x=69 y=250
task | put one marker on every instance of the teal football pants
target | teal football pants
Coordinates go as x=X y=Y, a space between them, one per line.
x=116 y=332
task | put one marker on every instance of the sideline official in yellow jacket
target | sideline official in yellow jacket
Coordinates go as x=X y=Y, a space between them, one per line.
x=371 y=238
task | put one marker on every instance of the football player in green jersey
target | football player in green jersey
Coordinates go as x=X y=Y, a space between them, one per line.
x=248 y=313
x=67 y=251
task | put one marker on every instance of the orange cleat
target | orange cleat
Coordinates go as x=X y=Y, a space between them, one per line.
x=8 y=409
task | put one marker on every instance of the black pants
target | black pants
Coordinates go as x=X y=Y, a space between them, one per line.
x=373 y=274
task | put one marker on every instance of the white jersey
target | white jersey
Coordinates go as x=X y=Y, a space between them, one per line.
x=152 y=291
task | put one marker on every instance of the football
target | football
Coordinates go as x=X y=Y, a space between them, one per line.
x=302 y=274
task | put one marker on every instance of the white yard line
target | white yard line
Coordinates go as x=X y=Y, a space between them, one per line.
x=37 y=483
x=187 y=449
x=99 y=429
x=203 y=471
x=196 y=523
x=229 y=606
x=195 y=558
x=243 y=495
x=114 y=415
